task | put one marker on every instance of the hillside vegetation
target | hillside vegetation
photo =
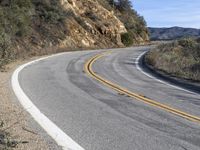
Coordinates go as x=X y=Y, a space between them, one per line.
x=35 y=27
x=180 y=58
x=134 y=23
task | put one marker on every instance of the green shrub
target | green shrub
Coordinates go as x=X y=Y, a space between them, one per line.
x=187 y=42
x=92 y=16
x=22 y=22
x=5 y=43
x=49 y=11
x=133 y=22
x=15 y=19
x=22 y=3
x=5 y=50
x=127 y=39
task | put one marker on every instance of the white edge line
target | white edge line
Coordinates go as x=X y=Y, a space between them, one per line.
x=151 y=76
x=52 y=129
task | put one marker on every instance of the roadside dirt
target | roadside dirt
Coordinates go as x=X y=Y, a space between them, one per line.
x=13 y=119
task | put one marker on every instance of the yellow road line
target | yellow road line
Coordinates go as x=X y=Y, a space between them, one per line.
x=88 y=70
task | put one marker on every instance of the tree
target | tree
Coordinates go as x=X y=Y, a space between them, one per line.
x=113 y=3
x=124 y=5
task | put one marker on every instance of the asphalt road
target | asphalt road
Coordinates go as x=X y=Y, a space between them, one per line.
x=99 y=118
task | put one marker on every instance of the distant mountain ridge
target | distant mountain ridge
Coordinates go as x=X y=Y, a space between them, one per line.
x=172 y=33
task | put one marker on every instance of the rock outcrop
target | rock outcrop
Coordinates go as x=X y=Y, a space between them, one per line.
x=92 y=25
x=36 y=27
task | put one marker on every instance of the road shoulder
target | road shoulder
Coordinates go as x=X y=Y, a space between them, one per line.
x=14 y=118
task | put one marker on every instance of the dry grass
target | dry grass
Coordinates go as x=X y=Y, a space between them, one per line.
x=7 y=142
x=180 y=58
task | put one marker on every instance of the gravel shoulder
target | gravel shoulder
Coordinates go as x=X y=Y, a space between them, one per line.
x=14 y=119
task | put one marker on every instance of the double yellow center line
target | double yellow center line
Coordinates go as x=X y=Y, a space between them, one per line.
x=89 y=71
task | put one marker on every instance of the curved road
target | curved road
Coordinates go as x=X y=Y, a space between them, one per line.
x=100 y=118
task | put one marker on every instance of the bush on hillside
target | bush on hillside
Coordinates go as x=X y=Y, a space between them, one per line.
x=133 y=22
x=18 y=16
x=4 y=44
x=15 y=18
x=123 y=5
x=180 y=58
x=49 y=11
x=187 y=42
x=5 y=51
x=127 y=38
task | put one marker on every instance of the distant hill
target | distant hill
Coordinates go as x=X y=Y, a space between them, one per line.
x=172 y=33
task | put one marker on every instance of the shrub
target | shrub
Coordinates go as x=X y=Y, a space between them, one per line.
x=92 y=16
x=15 y=19
x=132 y=20
x=5 y=43
x=50 y=12
x=22 y=22
x=127 y=39
x=5 y=51
x=187 y=42
x=123 y=5
x=180 y=58
x=22 y=3
x=198 y=40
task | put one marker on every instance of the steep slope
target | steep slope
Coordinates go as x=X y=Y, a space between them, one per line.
x=34 y=27
x=172 y=33
x=134 y=23
x=91 y=25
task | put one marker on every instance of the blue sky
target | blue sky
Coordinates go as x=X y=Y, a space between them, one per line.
x=167 y=13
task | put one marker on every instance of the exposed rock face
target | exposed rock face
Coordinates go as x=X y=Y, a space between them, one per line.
x=92 y=25
x=35 y=27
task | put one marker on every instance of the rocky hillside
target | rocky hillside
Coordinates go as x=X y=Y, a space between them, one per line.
x=173 y=33
x=35 y=27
